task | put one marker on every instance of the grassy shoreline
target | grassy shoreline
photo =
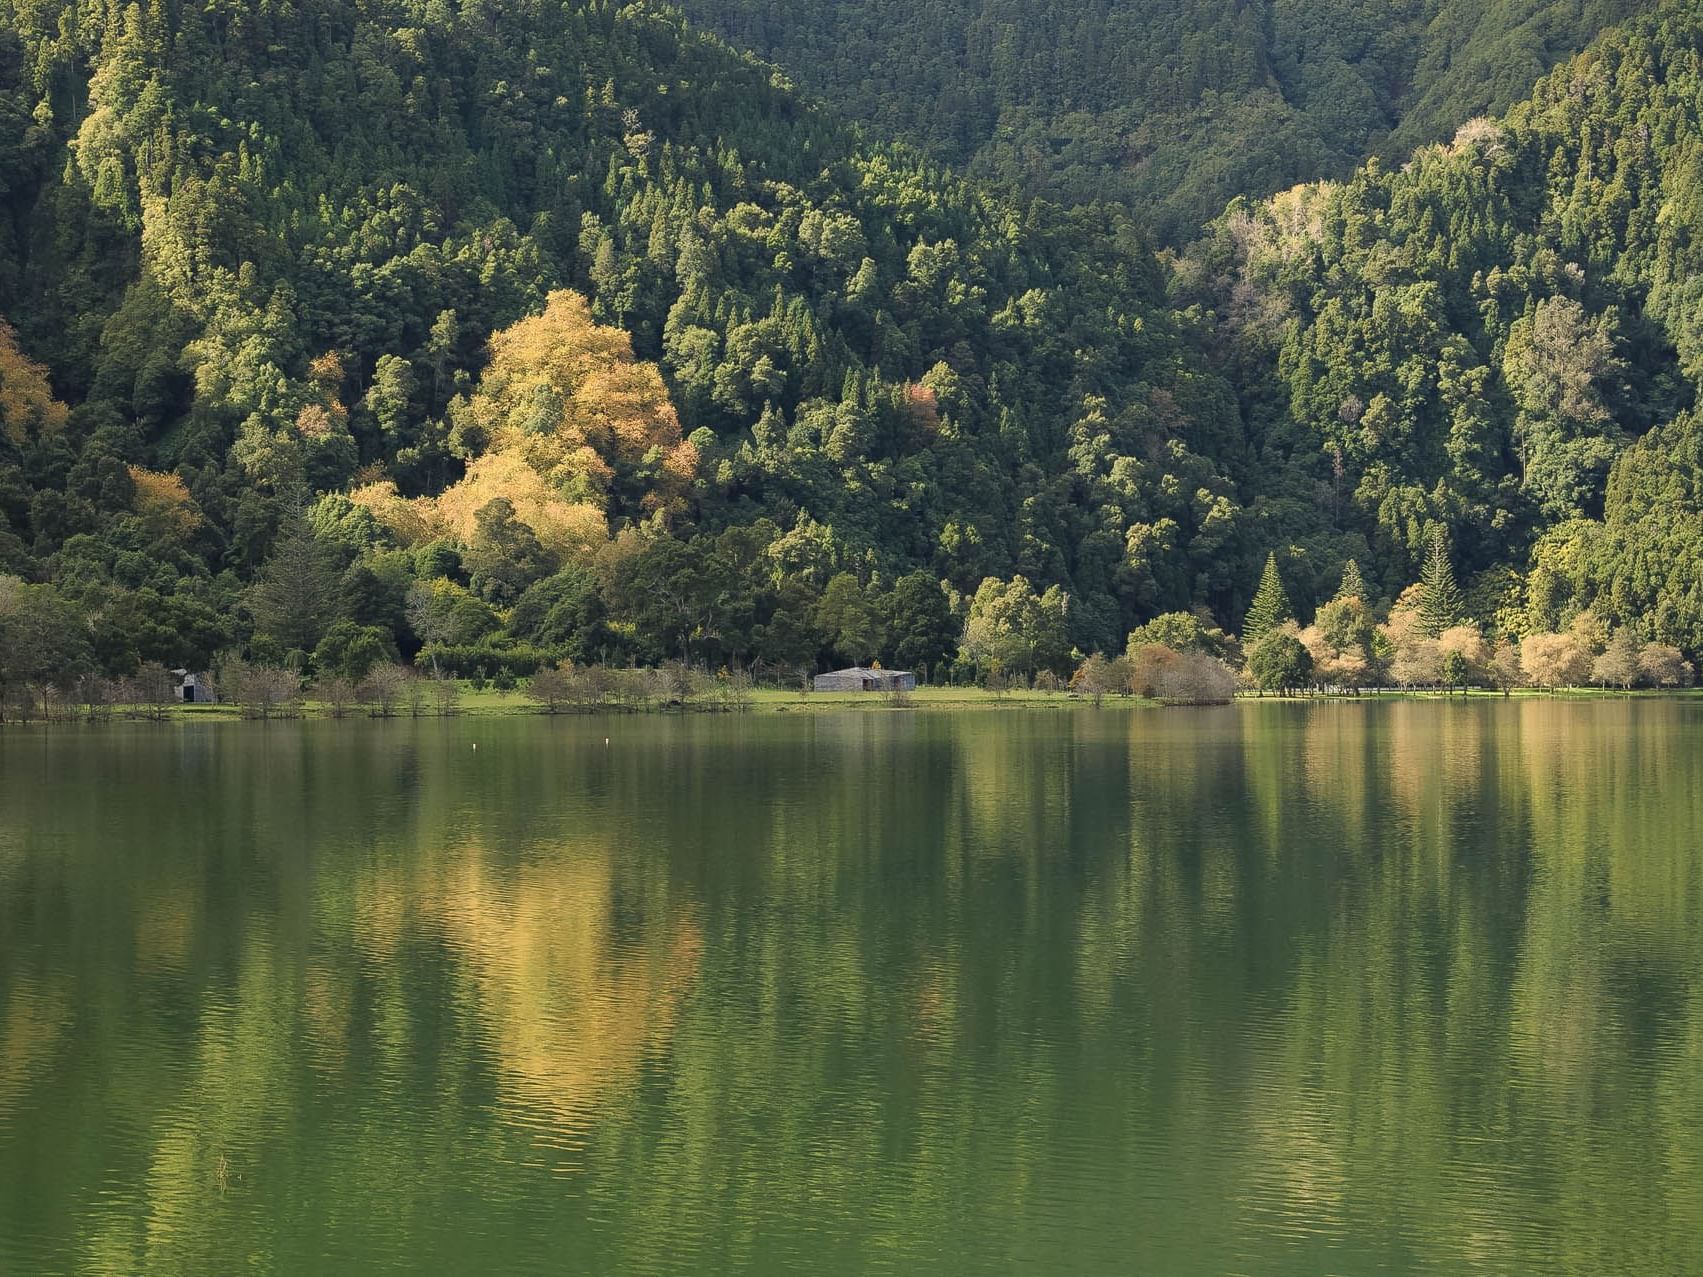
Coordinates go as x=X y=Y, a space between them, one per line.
x=492 y=703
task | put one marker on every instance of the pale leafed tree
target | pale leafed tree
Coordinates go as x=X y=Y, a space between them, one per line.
x=1617 y=665
x=1555 y=660
x=384 y=688
x=1662 y=666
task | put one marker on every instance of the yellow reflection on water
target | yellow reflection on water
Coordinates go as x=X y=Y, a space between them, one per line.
x=33 y=1021
x=572 y=1009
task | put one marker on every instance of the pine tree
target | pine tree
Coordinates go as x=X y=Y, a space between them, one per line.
x=1270 y=607
x=1439 y=597
x=295 y=598
x=1353 y=584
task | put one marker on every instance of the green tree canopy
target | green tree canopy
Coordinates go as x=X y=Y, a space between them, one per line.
x=1279 y=662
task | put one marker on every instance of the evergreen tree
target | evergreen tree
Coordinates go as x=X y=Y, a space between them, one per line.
x=1039 y=94
x=1439 y=597
x=1353 y=584
x=1270 y=607
x=295 y=597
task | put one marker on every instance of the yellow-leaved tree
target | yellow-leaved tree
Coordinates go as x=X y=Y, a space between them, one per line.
x=164 y=503
x=27 y=405
x=566 y=425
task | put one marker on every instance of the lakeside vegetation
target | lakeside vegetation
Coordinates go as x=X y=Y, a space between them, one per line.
x=586 y=339
x=454 y=698
x=1014 y=641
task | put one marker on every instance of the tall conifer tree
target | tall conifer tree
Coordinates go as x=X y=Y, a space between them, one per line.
x=1353 y=584
x=1440 y=600
x=1270 y=607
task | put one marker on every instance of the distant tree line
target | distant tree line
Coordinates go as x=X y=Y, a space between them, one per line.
x=1423 y=640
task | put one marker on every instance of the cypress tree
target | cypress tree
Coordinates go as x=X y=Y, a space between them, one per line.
x=1353 y=584
x=1270 y=607
x=1439 y=596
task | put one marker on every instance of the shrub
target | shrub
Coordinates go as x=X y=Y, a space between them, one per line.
x=483 y=660
x=1195 y=678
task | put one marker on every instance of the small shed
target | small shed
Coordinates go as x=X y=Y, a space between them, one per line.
x=858 y=679
x=192 y=688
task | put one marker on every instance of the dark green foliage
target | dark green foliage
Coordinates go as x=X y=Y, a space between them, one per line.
x=43 y=639
x=850 y=621
x=296 y=597
x=1012 y=632
x=1439 y=596
x=504 y=557
x=350 y=650
x=270 y=249
x=173 y=630
x=1353 y=584
x=1175 y=106
x=565 y=613
x=1477 y=339
x=1643 y=566
x=261 y=253
x=485 y=661
x=1279 y=662
x=921 y=632
x=1270 y=607
x=1455 y=670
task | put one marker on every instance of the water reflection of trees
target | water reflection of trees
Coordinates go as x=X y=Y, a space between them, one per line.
x=1487 y=1031
x=1398 y=983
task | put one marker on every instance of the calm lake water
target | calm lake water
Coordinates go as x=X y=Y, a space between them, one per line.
x=1330 y=988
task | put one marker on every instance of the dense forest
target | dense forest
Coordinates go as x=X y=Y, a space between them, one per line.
x=254 y=260
x=1502 y=338
x=1172 y=106
x=492 y=334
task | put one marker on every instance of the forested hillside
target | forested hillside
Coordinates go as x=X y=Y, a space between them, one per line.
x=1503 y=337
x=258 y=255
x=489 y=335
x=1172 y=106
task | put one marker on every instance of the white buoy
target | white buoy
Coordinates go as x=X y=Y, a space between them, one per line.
x=475 y=744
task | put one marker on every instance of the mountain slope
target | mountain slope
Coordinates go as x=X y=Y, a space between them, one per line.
x=345 y=329
x=1503 y=337
x=1172 y=108
x=264 y=249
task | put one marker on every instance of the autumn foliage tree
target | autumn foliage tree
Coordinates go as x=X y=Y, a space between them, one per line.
x=576 y=435
x=565 y=395
x=27 y=405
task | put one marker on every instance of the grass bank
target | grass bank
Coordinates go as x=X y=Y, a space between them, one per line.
x=489 y=702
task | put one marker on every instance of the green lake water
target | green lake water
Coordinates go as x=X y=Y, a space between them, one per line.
x=1270 y=989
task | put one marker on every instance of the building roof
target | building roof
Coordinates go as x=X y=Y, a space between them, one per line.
x=859 y=669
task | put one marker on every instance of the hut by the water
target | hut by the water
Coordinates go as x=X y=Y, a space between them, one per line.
x=858 y=679
x=197 y=689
